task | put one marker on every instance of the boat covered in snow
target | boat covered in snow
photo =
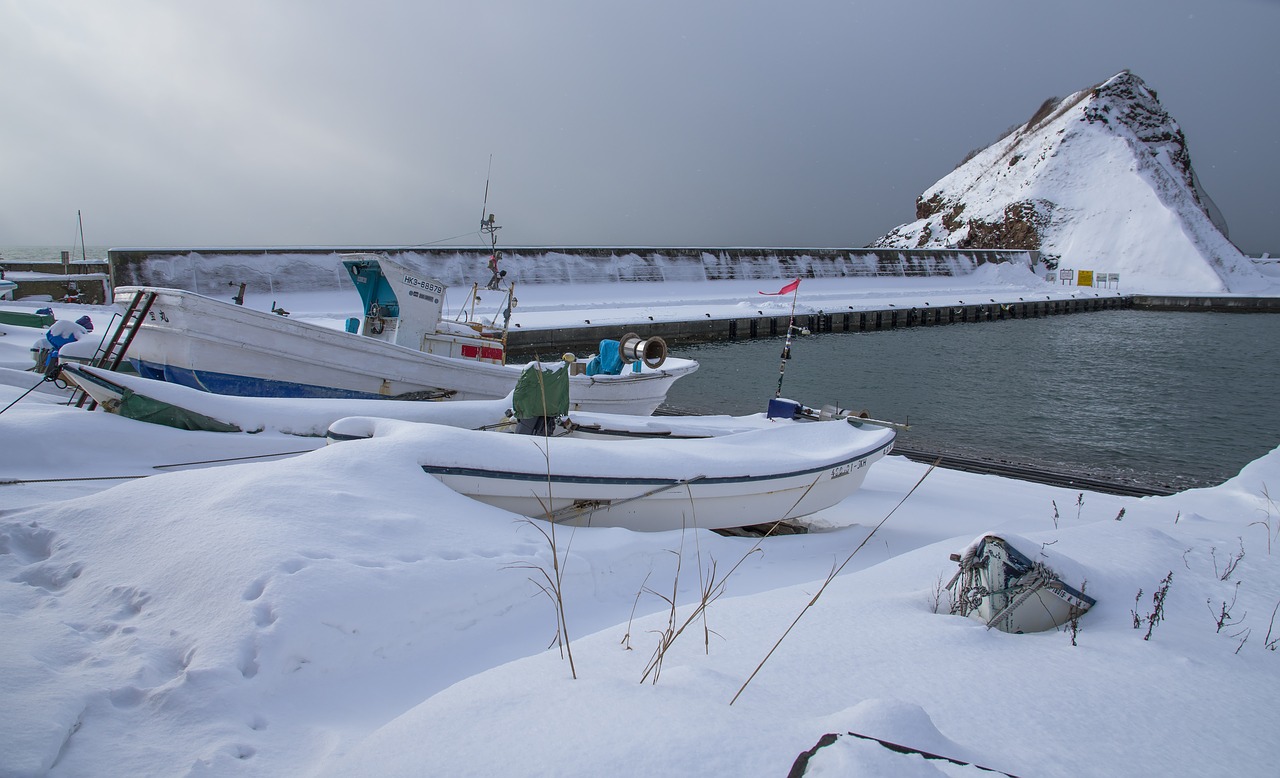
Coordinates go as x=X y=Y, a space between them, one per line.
x=754 y=470
x=173 y=405
x=764 y=475
x=403 y=348
x=1004 y=588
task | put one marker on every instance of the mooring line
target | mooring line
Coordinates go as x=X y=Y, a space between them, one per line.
x=16 y=481
x=236 y=459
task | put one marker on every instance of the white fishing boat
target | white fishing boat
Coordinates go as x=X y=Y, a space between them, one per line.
x=605 y=426
x=711 y=472
x=403 y=348
x=173 y=405
x=775 y=473
x=694 y=472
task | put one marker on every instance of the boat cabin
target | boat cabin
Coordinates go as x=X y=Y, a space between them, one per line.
x=404 y=307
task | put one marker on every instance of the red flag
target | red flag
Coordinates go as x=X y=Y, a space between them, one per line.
x=791 y=287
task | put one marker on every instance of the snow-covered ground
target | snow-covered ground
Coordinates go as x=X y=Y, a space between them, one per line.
x=170 y=609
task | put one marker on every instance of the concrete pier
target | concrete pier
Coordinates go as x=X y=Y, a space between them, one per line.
x=559 y=340
x=1219 y=304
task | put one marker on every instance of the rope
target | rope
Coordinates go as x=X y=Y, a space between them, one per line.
x=29 y=391
x=830 y=577
x=442 y=240
x=1038 y=578
x=236 y=459
x=16 y=481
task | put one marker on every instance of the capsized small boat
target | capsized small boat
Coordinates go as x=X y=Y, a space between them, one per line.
x=402 y=348
x=1001 y=586
x=174 y=405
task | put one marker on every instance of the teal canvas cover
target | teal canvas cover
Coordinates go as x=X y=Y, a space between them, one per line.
x=541 y=392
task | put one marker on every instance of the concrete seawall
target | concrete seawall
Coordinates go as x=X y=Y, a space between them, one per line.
x=274 y=270
x=1221 y=304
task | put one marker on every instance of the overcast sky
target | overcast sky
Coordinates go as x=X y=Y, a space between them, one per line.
x=646 y=123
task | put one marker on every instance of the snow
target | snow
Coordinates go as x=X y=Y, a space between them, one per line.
x=336 y=612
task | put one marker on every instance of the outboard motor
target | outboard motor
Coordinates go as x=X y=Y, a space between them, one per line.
x=781 y=408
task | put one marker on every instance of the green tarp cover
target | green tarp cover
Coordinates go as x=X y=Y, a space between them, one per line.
x=143 y=408
x=541 y=392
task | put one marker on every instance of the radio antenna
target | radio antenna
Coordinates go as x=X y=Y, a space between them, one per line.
x=485 y=207
x=490 y=228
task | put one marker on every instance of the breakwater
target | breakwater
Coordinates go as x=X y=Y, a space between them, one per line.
x=275 y=270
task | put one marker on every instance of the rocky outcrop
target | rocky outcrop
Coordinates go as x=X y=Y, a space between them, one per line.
x=1101 y=180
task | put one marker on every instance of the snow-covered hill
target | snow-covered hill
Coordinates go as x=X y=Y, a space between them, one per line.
x=1101 y=181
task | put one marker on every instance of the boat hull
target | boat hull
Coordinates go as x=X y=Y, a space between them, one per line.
x=778 y=473
x=223 y=348
x=161 y=402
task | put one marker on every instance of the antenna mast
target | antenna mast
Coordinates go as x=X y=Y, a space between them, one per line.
x=490 y=228
x=82 y=249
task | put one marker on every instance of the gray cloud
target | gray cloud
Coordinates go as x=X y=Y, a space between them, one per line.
x=657 y=123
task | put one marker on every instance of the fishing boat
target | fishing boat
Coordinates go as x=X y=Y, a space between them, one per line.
x=712 y=472
x=776 y=473
x=605 y=426
x=173 y=405
x=403 y=348
x=705 y=472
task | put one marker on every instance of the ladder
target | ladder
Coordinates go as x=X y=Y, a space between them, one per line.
x=113 y=354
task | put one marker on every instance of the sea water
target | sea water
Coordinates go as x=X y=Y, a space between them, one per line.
x=52 y=253
x=1178 y=399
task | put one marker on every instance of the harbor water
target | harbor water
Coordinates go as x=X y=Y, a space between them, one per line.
x=1171 y=399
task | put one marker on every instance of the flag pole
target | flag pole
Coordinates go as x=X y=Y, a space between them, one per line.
x=786 y=348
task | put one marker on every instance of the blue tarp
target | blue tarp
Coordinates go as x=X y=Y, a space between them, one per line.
x=608 y=361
